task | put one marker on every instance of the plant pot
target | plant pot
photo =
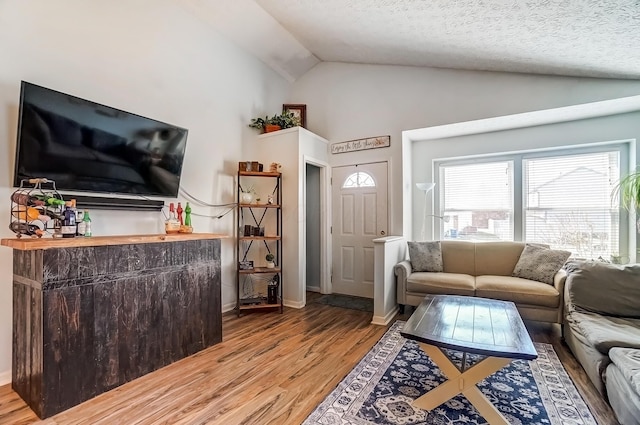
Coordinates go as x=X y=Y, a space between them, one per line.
x=268 y=128
x=271 y=265
x=246 y=197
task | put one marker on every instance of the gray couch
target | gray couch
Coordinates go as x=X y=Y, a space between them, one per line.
x=602 y=329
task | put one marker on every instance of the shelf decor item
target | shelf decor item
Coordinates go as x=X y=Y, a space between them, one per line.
x=298 y=110
x=628 y=190
x=276 y=122
x=254 y=291
x=36 y=209
x=270 y=264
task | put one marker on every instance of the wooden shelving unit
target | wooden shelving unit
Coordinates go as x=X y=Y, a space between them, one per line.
x=257 y=216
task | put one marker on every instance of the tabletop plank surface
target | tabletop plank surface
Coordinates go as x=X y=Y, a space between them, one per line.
x=471 y=324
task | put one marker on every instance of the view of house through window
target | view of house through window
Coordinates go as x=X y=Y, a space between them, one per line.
x=559 y=198
x=478 y=199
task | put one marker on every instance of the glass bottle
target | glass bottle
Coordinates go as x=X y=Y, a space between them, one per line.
x=69 y=222
x=187 y=215
x=87 y=224
x=172 y=225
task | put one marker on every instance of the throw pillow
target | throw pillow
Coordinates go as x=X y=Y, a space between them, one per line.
x=539 y=263
x=425 y=256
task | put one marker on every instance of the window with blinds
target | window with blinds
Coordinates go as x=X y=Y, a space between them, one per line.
x=560 y=198
x=477 y=201
x=567 y=203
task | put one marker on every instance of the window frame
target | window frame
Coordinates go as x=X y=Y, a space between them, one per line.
x=623 y=147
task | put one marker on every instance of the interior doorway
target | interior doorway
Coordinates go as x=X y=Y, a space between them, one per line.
x=313 y=221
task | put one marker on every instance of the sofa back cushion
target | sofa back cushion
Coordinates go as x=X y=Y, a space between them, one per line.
x=425 y=256
x=458 y=257
x=604 y=288
x=497 y=258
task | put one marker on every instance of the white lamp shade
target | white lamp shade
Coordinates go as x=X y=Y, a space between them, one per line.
x=425 y=186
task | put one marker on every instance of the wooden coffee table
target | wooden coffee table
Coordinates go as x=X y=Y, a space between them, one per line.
x=472 y=325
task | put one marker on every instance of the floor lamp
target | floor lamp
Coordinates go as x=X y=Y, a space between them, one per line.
x=426 y=187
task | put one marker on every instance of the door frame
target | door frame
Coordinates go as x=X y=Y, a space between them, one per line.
x=389 y=163
x=325 y=224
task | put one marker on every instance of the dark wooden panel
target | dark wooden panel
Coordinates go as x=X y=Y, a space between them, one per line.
x=68 y=348
x=111 y=314
x=21 y=355
x=107 y=296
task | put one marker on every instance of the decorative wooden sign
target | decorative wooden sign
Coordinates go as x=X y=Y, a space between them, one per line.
x=361 y=144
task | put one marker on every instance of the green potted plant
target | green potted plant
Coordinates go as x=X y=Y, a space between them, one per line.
x=275 y=123
x=270 y=264
x=628 y=191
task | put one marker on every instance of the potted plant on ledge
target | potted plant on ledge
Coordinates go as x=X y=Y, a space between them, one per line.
x=270 y=264
x=275 y=123
x=629 y=192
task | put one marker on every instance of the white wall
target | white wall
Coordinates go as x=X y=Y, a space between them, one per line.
x=352 y=101
x=150 y=57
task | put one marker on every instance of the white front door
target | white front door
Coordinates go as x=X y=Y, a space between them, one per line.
x=359 y=204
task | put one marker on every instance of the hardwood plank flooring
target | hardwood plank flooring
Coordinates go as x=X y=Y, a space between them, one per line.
x=269 y=369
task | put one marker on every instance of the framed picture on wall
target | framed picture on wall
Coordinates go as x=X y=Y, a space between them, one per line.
x=298 y=110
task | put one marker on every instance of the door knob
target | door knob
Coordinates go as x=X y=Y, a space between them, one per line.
x=382 y=232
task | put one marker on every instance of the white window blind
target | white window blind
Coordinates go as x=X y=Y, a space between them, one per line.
x=477 y=200
x=567 y=202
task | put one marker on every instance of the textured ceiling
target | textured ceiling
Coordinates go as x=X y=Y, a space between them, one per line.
x=594 y=38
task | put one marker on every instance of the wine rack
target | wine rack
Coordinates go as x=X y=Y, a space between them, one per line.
x=36 y=208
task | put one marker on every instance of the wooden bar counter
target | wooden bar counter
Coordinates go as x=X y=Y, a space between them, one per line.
x=90 y=314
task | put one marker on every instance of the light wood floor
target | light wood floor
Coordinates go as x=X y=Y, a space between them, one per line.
x=269 y=369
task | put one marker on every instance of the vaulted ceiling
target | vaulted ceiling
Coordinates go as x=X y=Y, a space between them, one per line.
x=587 y=38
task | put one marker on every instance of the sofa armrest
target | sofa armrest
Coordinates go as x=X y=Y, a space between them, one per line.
x=558 y=282
x=402 y=270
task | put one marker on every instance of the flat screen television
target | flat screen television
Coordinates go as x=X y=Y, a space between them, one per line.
x=85 y=146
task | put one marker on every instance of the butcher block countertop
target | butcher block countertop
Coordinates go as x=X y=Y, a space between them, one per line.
x=27 y=243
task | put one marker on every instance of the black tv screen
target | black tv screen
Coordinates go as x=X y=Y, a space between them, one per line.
x=86 y=146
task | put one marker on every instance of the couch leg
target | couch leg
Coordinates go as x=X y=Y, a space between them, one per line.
x=401 y=308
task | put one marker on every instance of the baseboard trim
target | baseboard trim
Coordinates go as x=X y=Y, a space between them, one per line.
x=228 y=307
x=313 y=288
x=294 y=304
x=383 y=321
x=5 y=377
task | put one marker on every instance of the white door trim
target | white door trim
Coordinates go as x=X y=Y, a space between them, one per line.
x=325 y=224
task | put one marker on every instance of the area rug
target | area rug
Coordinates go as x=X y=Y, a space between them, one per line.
x=380 y=389
x=346 y=301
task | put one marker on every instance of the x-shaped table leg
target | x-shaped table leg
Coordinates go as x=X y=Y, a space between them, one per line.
x=463 y=382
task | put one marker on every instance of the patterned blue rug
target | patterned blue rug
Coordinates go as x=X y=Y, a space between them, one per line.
x=380 y=389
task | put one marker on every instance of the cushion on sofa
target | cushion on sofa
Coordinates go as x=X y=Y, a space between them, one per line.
x=604 y=288
x=517 y=290
x=605 y=332
x=441 y=283
x=539 y=263
x=459 y=257
x=425 y=256
x=628 y=362
x=497 y=258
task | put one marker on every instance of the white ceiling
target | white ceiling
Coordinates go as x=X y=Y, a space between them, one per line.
x=590 y=38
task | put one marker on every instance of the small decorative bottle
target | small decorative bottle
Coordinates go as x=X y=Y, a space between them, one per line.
x=179 y=211
x=187 y=215
x=69 y=222
x=172 y=225
x=87 y=224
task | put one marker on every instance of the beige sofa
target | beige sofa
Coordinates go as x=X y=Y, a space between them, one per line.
x=483 y=269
